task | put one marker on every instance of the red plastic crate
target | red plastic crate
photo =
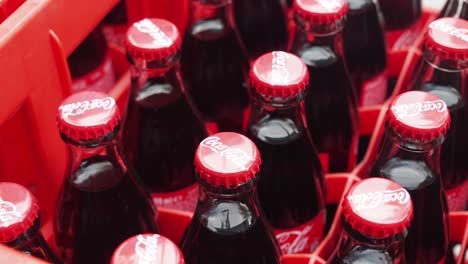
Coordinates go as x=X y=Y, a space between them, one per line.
x=36 y=38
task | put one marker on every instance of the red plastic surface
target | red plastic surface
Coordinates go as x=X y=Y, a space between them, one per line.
x=36 y=38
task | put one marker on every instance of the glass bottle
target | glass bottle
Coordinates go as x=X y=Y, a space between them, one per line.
x=330 y=103
x=442 y=71
x=215 y=65
x=291 y=186
x=262 y=25
x=102 y=202
x=400 y=14
x=409 y=154
x=376 y=215
x=228 y=225
x=365 y=52
x=20 y=222
x=163 y=128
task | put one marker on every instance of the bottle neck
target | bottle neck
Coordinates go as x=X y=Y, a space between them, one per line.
x=327 y=35
x=163 y=76
x=227 y=209
x=33 y=243
x=443 y=72
x=108 y=149
x=206 y=10
x=392 y=246
x=268 y=108
x=394 y=146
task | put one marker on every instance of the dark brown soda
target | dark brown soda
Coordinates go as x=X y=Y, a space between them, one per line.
x=364 y=43
x=331 y=119
x=228 y=227
x=162 y=133
x=262 y=25
x=214 y=66
x=101 y=206
x=400 y=14
x=424 y=244
x=454 y=150
x=290 y=187
x=243 y=243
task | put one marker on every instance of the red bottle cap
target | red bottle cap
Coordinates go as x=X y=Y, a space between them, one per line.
x=448 y=38
x=321 y=11
x=148 y=249
x=378 y=207
x=279 y=74
x=419 y=116
x=227 y=159
x=152 y=39
x=87 y=115
x=18 y=211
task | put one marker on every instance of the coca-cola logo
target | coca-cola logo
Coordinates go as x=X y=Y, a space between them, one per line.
x=372 y=200
x=302 y=239
x=460 y=33
x=330 y=5
x=148 y=27
x=294 y=241
x=279 y=72
x=236 y=156
x=79 y=108
x=147 y=248
x=8 y=212
x=414 y=109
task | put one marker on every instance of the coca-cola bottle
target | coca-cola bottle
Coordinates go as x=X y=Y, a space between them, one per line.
x=228 y=225
x=291 y=185
x=330 y=103
x=409 y=155
x=376 y=215
x=162 y=129
x=400 y=14
x=101 y=201
x=365 y=52
x=20 y=223
x=442 y=72
x=215 y=65
x=91 y=64
x=147 y=249
x=262 y=25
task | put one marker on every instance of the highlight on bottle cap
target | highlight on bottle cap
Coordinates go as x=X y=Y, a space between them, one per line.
x=321 y=11
x=227 y=159
x=18 y=211
x=148 y=249
x=378 y=207
x=87 y=115
x=419 y=116
x=448 y=38
x=279 y=74
x=152 y=39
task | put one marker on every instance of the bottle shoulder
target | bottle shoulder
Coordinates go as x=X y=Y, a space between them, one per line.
x=410 y=174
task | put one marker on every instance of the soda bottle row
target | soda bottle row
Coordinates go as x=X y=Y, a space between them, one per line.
x=214 y=55
x=102 y=194
x=229 y=222
x=441 y=71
